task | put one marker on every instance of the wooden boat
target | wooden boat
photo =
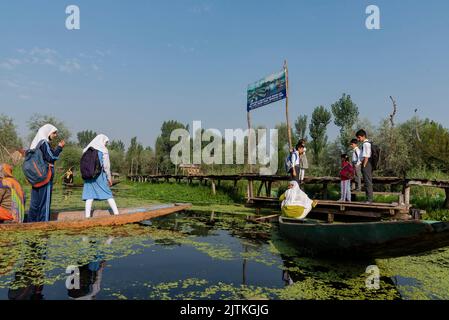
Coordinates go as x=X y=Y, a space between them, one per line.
x=365 y=239
x=76 y=219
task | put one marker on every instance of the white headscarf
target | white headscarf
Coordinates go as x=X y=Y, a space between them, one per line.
x=98 y=143
x=43 y=134
x=296 y=197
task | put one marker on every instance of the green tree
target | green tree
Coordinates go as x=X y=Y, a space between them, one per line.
x=85 y=137
x=318 y=128
x=164 y=146
x=301 y=127
x=346 y=114
x=117 y=145
x=70 y=157
x=133 y=156
x=8 y=133
x=9 y=139
x=37 y=120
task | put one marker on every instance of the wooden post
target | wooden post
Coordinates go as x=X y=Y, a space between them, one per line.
x=325 y=191
x=269 y=189
x=330 y=218
x=213 y=188
x=446 y=202
x=289 y=131
x=407 y=195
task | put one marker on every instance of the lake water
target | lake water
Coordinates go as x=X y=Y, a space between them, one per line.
x=198 y=256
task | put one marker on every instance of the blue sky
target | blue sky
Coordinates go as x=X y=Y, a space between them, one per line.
x=137 y=63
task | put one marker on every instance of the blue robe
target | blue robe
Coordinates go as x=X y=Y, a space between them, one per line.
x=97 y=189
x=41 y=197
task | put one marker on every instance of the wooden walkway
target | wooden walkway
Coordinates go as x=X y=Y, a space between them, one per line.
x=266 y=183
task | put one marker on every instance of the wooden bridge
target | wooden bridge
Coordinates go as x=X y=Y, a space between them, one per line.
x=266 y=182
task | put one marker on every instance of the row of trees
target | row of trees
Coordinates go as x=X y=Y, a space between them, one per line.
x=414 y=144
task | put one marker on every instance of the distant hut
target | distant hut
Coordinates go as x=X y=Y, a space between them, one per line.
x=190 y=169
x=115 y=176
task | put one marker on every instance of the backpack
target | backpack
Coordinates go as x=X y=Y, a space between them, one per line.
x=375 y=156
x=90 y=165
x=289 y=164
x=36 y=170
x=348 y=172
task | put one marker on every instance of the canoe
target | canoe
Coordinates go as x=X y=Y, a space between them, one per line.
x=76 y=219
x=365 y=239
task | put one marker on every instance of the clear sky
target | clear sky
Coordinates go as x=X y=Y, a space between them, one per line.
x=137 y=63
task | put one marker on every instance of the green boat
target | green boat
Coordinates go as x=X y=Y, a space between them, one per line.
x=386 y=239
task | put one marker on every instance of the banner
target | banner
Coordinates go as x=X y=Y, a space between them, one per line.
x=268 y=90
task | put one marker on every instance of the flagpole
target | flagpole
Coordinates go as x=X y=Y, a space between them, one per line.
x=250 y=182
x=289 y=132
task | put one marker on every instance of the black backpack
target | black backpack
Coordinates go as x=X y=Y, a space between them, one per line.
x=375 y=156
x=90 y=165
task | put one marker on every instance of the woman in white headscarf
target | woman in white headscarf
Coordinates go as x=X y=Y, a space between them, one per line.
x=100 y=187
x=41 y=197
x=295 y=202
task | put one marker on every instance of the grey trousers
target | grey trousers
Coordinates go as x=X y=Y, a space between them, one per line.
x=358 y=177
x=368 y=178
x=298 y=175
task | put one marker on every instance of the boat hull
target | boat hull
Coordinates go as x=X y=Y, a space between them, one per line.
x=373 y=240
x=76 y=220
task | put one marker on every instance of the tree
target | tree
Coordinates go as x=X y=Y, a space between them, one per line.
x=346 y=114
x=117 y=145
x=70 y=157
x=37 y=120
x=8 y=133
x=318 y=127
x=301 y=127
x=133 y=156
x=85 y=137
x=164 y=146
x=9 y=139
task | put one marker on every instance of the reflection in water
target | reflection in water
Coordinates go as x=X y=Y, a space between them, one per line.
x=90 y=275
x=28 y=283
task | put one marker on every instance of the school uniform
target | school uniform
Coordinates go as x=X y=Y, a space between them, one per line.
x=41 y=197
x=296 y=163
x=357 y=164
x=367 y=171
x=98 y=188
x=346 y=174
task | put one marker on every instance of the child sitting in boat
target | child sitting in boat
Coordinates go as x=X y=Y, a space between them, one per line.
x=347 y=173
x=295 y=202
x=12 y=198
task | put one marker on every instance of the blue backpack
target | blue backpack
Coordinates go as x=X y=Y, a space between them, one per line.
x=36 y=170
x=289 y=162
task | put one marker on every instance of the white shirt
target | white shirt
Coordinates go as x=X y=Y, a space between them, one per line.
x=366 y=150
x=356 y=156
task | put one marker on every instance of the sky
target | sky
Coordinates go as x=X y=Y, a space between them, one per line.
x=134 y=64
